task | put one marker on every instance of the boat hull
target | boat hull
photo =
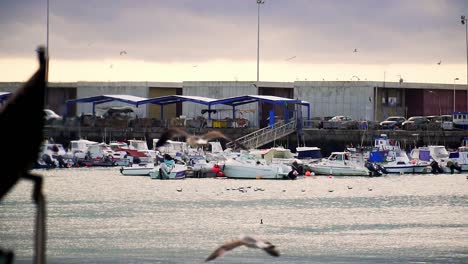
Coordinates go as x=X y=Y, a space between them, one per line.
x=137 y=170
x=248 y=171
x=338 y=171
x=179 y=172
x=407 y=169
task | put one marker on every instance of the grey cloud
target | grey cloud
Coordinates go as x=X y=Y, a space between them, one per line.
x=384 y=32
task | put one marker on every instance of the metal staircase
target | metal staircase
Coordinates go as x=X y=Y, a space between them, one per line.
x=264 y=136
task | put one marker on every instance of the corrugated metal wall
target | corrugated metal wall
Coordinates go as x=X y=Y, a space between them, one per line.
x=56 y=100
x=219 y=90
x=354 y=99
x=170 y=111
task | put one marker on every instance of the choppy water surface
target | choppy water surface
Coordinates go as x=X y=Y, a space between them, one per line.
x=98 y=216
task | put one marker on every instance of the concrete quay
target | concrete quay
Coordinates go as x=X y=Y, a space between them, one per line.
x=327 y=139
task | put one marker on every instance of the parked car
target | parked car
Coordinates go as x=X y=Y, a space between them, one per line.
x=340 y=119
x=415 y=120
x=50 y=115
x=392 y=122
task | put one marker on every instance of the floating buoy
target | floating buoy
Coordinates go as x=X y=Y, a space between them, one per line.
x=215 y=168
x=307 y=173
x=330 y=177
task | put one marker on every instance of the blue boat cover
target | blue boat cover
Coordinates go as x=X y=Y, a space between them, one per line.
x=377 y=156
x=424 y=155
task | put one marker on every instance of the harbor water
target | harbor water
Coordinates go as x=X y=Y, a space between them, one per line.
x=99 y=216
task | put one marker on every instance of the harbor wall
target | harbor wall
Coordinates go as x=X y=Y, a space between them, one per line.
x=327 y=139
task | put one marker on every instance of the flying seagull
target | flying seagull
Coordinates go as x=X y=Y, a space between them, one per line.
x=244 y=241
x=355 y=50
x=192 y=140
x=439 y=62
x=123 y=52
x=290 y=58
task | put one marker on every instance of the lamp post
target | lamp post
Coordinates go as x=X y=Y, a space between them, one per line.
x=456 y=79
x=259 y=2
x=436 y=95
x=464 y=21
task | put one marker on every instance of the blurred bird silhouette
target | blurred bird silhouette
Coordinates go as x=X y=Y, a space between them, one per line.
x=192 y=140
x=440 y=62
x=22 y=113
x=123 y=52
x=290 y=58
x=245 y=241
x=355 y=50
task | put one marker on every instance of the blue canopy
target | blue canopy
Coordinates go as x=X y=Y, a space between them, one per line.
x=100 y=99
x=172 y=99
x=4 y=96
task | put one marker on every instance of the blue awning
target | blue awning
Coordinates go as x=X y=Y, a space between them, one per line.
x=4 y=96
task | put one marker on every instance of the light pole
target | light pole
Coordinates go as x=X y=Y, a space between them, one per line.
x=456 y=79
x=464 y=21
x=436 y=95
x=259 y=2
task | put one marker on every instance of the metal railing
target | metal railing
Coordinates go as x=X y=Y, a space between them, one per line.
x=264 y=136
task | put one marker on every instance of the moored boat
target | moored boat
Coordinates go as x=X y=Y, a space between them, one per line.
x=253 y=169
x=142 y=169
x=338 y=164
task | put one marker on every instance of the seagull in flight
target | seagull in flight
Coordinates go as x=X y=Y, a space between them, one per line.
x=355 y=50
x=439 y=62
x=192 y=140
x=245 y=241
x=290 y=58
x=123 y=52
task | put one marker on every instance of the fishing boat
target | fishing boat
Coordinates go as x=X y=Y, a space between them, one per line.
x=339 y=164
x=176 y=172
x=250 y=168
x=388 y=154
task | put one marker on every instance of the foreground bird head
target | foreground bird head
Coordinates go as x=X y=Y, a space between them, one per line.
x=22 y=113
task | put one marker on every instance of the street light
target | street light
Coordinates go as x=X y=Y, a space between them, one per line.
x=464 y=21
x=436 y=95
x=456 y=79
x=259 y=2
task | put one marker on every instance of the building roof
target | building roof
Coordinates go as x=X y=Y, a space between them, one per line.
x=171 y=99
x=99 y=99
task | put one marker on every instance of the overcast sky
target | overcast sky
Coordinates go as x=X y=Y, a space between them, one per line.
x=217 y=40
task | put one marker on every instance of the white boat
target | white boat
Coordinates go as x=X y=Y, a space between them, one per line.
x=309 y=153
x=178 y=171
x=402 y=164
x=438 y=154
x=393 y=159
x=277 y=155
x=142 y=169
x=460 y=157
x=244 y=168
x=338 y=164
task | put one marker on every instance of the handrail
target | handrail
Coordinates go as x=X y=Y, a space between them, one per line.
x=264 y=135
